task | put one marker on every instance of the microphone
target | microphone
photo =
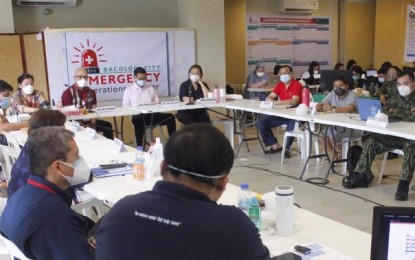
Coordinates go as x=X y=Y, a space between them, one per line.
x=45 y=104
x=190 y=93
x=89 y=101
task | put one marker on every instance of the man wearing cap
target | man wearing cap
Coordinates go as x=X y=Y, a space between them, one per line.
x=179 y=218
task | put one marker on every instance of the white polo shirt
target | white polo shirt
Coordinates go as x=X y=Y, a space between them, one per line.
x=135 y=95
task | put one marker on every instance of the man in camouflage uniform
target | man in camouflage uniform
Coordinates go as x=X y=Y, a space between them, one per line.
x=389 y=88
x=401 y=107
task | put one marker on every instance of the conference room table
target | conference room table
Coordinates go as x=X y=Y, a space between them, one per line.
x=308 y=227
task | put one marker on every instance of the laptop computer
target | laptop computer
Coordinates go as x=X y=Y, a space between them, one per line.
x=393 y=233
x=273 y=80
x=368 y=107
x=371 y=73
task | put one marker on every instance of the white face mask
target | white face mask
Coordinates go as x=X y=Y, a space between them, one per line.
x=82 y=83
x=194 y=78
x=140 y=82
x=260 y=74
x=285 y=78
x=28 y=89
x=81 y=172
x=404 y=90
x=315 y=72
x=381 y=80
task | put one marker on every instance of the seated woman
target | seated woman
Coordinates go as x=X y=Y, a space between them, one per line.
x=27 y=99
x=340 y=100
x=258 y=79
x=191 y=90
x=5 y=92
x=358 y=81
x=339 y=66
x=313 y=69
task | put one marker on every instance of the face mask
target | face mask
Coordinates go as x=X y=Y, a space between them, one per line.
x=140 y=82
x=260 y=74
x=81 y=83
x=316 y=72
x=381 y=80
x=392 y=77
x=5 y=102
x=194 y=78
x=355 y=77
x=285 y=78
x=339 y=91
x=28 y=89
x=81 y=172
x=404 y=90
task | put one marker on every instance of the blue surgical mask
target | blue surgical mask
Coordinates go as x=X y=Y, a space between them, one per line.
x=355 y=77
x=5 y=102
x=381 y=80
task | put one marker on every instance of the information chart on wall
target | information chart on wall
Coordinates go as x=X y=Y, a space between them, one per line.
x=295 y=41
x=410 y=35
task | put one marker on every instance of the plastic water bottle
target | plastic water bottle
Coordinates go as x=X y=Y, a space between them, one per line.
x=284 y=217
x=244 y=197
x=216 y=93
x=158 y=150
x=305 y=96
x=138 y=165
x=254 y=212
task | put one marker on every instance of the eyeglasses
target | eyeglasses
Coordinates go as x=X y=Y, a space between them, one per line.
x=82 y=77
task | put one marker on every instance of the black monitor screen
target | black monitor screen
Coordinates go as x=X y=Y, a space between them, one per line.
x=409 y=69
x=393 y=233
x=327 y=78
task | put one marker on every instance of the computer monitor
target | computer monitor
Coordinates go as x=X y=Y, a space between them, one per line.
x=393 y=233
x=327 y=79
x=409 y=69
x=371 y=73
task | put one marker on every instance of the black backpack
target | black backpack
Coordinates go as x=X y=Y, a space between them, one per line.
x=353 y=156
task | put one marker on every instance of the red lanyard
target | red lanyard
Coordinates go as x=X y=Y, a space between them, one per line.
x=41 y=186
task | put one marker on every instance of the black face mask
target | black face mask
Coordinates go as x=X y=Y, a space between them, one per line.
x=339 y=91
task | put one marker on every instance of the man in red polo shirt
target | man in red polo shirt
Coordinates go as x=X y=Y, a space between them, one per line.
x=289 y=92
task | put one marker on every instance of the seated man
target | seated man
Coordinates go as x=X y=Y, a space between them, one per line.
x=179 y=218
x=141 y=93
x=340 y=100
x=21 y=170
x=82 y=96
x=402 y=107
x=38 y=218
x=289 y=93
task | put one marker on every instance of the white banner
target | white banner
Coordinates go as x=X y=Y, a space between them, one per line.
x=111 y=57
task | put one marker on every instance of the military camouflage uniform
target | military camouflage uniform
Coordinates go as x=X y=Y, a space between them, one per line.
x=400 y=108
x=388 y=89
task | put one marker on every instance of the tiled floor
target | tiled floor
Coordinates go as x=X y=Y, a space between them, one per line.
x=351 y=207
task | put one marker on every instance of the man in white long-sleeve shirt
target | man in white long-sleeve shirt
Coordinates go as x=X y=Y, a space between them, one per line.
x=142 y=93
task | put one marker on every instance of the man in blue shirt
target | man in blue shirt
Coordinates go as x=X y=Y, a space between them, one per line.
x=21 y=170
x=38 y=218
x=179 y=218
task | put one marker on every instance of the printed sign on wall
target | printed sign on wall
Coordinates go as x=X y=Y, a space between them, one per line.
x=294 y=41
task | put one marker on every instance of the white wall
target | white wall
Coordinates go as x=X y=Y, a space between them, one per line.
x=99 y=14
x=207 y=18
x=6 y=17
